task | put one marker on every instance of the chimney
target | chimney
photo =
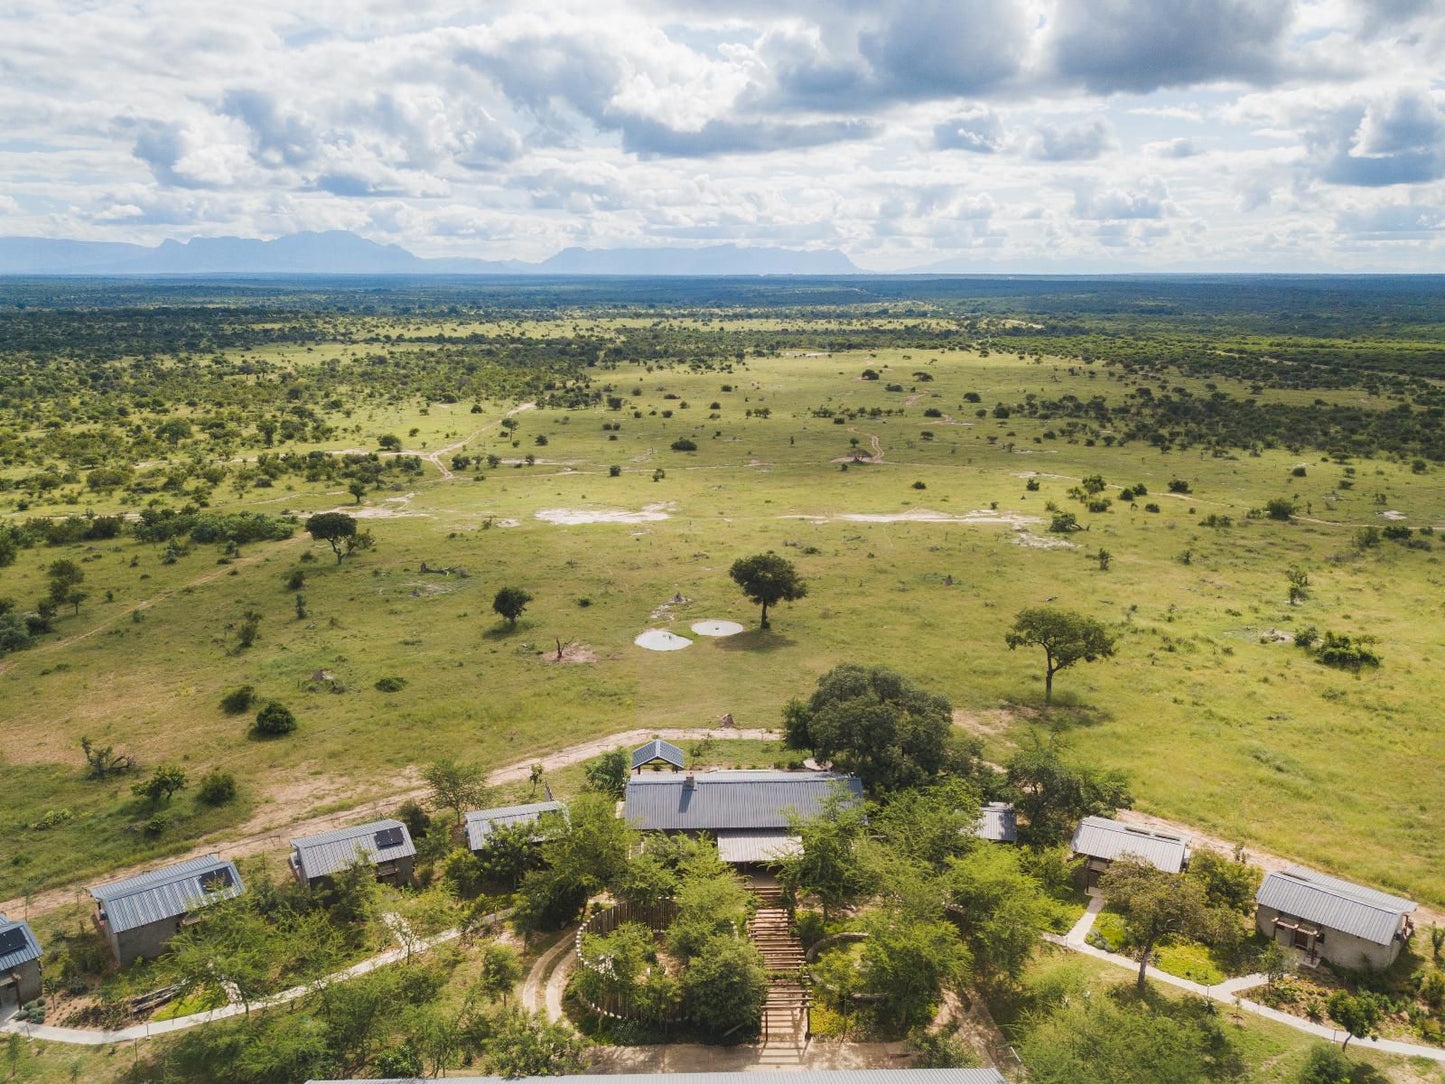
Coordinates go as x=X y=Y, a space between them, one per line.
x=689 y=781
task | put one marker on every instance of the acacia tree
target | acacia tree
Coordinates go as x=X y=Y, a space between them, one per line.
x=1052 y=795
x=1358 y=1014
x=1066 y=637
x=162 y=785
x=456 y=786
x=510 y=604
x=1155 y=904
x=768 y=579
x=339 y=531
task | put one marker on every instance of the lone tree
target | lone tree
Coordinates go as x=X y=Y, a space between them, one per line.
x=1358 y=1014
x=456 y=786
x=1065 y=636
x=1156 y=904
x=338 y=530
x=510 y=603
x=874 y=723
x=768 y=579
x=162 y=784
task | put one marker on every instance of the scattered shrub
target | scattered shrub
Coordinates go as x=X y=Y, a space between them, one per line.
x=216 y=787
x=274 y=720
x=391 y=684
x=684 y=444
x=1178 y=485
x=239 y=700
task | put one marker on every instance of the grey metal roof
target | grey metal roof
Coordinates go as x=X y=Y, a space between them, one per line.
x=757 y=845
x=17 y=943
x=481 y=822
x=807 y=1076
x=165 y=893
x=1100 y=837
x=331 y=852
x=730 y=799
x=657 y=749
x=1333 y=903
x=998 y=822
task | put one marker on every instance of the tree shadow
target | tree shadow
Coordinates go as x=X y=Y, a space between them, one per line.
x=754 y=640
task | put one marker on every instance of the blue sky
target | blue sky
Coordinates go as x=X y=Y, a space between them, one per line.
x=1019 y=135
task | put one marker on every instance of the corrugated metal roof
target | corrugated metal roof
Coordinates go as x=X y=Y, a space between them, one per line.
x=1100 y=837
x=165 y=893
x=17 y=944
x=757 y=845
x=807 y=1076
x=730 y=799
x=1333 y=903
x=331 y=852
x=657 y=749
x=481 y=822
x=998 y=822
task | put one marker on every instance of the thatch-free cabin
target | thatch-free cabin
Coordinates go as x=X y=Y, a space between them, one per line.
x=1330 y=919
x=481 y=823
x=384 y=845
x=140 y=915
x=19 y=965
x=1102 y=842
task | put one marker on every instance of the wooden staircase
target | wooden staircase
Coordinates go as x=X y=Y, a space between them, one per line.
x=785 y=1011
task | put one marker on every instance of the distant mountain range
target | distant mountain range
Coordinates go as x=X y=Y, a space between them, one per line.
x=337 y=252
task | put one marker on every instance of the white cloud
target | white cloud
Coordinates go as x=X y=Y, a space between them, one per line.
x=903 y=130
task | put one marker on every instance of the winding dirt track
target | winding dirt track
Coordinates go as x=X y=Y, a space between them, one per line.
x=262 y=833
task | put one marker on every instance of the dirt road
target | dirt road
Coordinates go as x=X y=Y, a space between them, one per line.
x=266 y=831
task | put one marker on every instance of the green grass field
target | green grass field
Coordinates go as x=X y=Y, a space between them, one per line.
x=1249 y=740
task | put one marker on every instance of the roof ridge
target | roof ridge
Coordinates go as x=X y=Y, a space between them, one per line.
x=1343 y=894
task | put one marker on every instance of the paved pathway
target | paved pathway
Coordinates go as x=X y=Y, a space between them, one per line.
x=1227 y=992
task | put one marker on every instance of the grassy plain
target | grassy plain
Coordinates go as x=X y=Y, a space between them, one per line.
x=1250 y=740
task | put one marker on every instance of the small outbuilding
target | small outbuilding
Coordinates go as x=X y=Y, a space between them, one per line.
x=19 y=965
x=140 y=915
x=385 y=845
x=1101 y=841
x=1330 y=919
x=998 y=823
x=658 y=752
x=481 y=823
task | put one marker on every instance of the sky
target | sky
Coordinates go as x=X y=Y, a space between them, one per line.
x=973 y=135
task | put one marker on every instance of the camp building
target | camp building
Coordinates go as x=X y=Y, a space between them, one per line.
x=998 y=823
x=481 y=823
x=1102 y=841
x=19 y=965
x=749 y=813
x=140 y=915
x=384 y=845
x=1327 y=918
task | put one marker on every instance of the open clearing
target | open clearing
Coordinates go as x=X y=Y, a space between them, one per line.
x=1249 y=741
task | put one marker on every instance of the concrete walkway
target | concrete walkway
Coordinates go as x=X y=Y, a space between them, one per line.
x=1227 y=993
x=410 y=946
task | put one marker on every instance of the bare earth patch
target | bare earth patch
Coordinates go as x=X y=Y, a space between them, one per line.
x=571 y=517
x=1392 y=514
x=578 y=653
x=925 y=515
x=1039 y=542
x=986 y=724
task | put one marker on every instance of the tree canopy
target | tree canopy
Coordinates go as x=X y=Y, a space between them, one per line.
x=875 y=723
x=1155 y=904
x=1052 y=795
x=768 y=579
x=1066 y=637
x=336 y=529
x=509 y=604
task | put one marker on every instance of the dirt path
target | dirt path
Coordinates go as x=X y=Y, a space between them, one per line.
x=120 y=615
x=267 y=831
x=536 y=986
x=435 y=458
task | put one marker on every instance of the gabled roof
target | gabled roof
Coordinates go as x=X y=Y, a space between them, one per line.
x=481 y=822
x=331 y=852
x=710 y=801
x=17 y=944
x=998 y=822
x=657 y=749
x=1333 y=903
x=167 y=893
x=1100 y=837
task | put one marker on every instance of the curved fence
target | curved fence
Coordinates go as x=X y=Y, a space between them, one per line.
x=656 y=917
